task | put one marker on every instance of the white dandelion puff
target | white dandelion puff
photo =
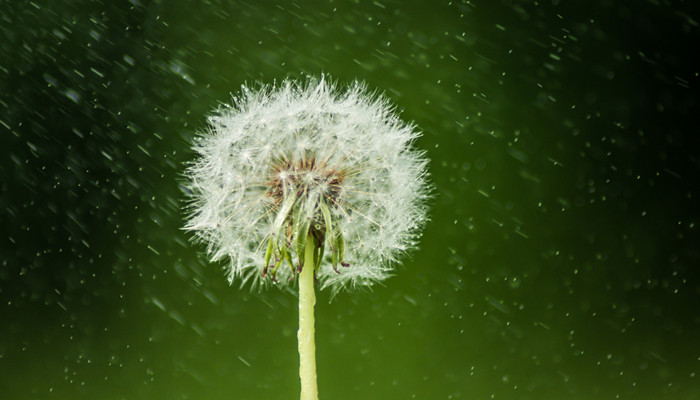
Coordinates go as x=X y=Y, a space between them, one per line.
x=291 y=160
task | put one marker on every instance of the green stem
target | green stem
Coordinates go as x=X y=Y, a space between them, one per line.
x=305 y=335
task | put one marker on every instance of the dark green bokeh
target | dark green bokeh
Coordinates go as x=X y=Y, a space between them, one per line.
x=562 y=257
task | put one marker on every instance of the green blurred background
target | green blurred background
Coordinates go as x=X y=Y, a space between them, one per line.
x=562 y=257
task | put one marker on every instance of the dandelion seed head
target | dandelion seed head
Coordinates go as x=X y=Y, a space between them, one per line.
x=295 y=157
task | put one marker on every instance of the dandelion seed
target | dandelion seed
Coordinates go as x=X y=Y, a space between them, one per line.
x=305 y=180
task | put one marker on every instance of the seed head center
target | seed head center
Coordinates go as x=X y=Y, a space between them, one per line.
x=305 y=178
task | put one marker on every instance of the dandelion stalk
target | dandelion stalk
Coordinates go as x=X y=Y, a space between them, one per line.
x=305 y=335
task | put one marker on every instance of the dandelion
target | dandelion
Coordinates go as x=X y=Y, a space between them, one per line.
x=304 y=180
